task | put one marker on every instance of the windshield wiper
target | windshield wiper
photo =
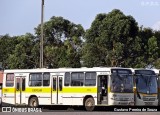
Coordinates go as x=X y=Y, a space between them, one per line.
x=119 y=77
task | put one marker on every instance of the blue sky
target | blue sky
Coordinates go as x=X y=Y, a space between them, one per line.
x=18 y=17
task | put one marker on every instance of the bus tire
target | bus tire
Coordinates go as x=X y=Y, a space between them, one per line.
x=89 y=104
x=33 y=102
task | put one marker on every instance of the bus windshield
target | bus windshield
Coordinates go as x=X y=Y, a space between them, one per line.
x=146 y=83
x=122 y=83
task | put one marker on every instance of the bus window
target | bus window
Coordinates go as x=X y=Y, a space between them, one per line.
x=77 y=79
x=10 y=80
x=90 y=79
x=18 y=84
x=0 y=86
x=0 y=93
x=54 y=83
x=60 y=83
x=46 y=79
x=23 y=84
x=35 y=79
x=67 y=79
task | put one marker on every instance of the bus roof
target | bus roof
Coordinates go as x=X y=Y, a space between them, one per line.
x=100 y=69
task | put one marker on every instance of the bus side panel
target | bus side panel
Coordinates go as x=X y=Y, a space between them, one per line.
x=44 y=99
x=78 y=98
x=42 y=93
x=8 y=93
x=68 y=98
x=8 y=96
x=76 y=95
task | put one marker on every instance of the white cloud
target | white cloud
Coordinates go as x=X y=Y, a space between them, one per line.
x=156 y=26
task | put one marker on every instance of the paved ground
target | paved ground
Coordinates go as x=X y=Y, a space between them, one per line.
x=85 y=113
x=80 y=111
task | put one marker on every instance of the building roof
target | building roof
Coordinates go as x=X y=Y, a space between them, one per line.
x=1 y=76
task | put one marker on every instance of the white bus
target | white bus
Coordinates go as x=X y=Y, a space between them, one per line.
x=89 y=87
x=146 y=87
x=0 y=94
x=159 y=88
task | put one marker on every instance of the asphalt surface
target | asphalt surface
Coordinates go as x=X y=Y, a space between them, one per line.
x=85 y=113
x=65 y=110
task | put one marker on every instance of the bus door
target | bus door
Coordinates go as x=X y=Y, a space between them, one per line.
x=20 y=90
x=102 y=89
x=57 y=87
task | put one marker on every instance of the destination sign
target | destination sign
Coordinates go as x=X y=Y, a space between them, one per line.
x=148 y=72
x=121 y=71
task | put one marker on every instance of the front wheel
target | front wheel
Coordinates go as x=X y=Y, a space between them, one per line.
x=33 y=102
x=89 y=104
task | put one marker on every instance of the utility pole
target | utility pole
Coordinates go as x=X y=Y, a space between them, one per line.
x=41 y=40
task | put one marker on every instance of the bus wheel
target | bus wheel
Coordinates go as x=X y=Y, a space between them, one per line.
x=89 y=104
x=33 y=102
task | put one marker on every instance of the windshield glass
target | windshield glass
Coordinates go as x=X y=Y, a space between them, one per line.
x=146 y=83
x=122 y=83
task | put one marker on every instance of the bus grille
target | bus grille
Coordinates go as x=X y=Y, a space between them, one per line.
x=123 y=99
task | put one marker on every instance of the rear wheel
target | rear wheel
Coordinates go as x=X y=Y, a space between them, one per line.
x=89 y=104
x=33 y=102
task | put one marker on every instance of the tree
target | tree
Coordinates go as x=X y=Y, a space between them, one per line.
x=62 y=42
x=112 y=34
x=157 y=61
x=148 y=50
x=22 y=58
x=152 y=51
x=7 y=46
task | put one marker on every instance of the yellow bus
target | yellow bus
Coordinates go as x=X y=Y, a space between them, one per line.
x=88 y=87
x=146 y=87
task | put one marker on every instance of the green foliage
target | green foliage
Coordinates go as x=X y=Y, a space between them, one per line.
x=22 y=56
x=62 y=42
x=113 y=39
x=7 y=45
x=112 y=35
x=152 y=50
